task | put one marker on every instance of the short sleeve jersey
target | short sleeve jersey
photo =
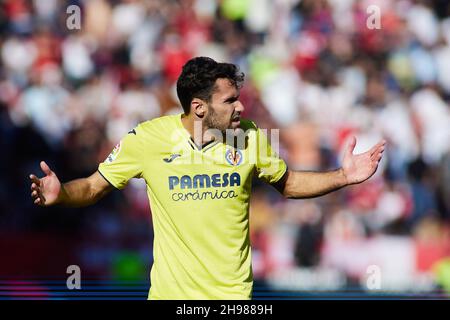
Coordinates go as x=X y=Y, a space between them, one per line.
x=199 y=198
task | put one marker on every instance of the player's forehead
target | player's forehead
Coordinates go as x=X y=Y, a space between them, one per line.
x=224 y=88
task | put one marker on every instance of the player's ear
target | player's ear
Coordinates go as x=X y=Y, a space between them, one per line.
x=198 y=106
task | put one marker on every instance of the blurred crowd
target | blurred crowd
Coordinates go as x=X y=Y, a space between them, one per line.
x=314 y=70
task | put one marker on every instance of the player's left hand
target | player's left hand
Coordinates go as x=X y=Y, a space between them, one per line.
x=360 y=167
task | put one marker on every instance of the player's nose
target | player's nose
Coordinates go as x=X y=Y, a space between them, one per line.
x=238 y=107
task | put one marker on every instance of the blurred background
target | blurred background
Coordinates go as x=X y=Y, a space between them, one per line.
x=313 y=70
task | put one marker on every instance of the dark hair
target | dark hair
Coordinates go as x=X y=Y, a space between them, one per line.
x=198 y=78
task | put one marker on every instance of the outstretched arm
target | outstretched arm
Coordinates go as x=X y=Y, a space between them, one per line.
x=355 y=169
x=49 y=191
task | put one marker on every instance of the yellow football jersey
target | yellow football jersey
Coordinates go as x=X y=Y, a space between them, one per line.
x=199 y=199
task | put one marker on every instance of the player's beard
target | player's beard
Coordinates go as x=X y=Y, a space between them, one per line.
x=212 y=121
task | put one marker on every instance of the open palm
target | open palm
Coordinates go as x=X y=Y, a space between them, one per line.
x=360 y=167
x=45 y=191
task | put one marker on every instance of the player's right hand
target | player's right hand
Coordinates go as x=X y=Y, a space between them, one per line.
x=45 y=191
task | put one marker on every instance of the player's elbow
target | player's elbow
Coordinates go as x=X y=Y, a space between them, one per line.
x=97 y=193
x=98 y=188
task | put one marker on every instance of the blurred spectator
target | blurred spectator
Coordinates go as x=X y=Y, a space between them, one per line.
x=314 y=71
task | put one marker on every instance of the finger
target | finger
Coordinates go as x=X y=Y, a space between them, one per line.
x=37 y=201
x=377 y=153
x=374 y=149
x=36 y=194
x=374 y=153
x=379 y=146
x=45 y=168
x=35 y=179
x=351 y=145
x=34 y=186
x=377 y=156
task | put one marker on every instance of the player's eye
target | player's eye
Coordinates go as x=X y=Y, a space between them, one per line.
x=231 y=100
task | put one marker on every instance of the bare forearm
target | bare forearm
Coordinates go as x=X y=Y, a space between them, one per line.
x=78 y=193
x=48 y=190
x=305 y=184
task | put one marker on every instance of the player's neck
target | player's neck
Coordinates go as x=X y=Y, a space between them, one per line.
x=197 y=130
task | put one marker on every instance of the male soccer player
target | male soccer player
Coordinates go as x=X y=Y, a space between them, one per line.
x=199 y=184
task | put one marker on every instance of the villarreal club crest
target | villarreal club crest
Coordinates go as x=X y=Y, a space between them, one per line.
x=233 y=156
